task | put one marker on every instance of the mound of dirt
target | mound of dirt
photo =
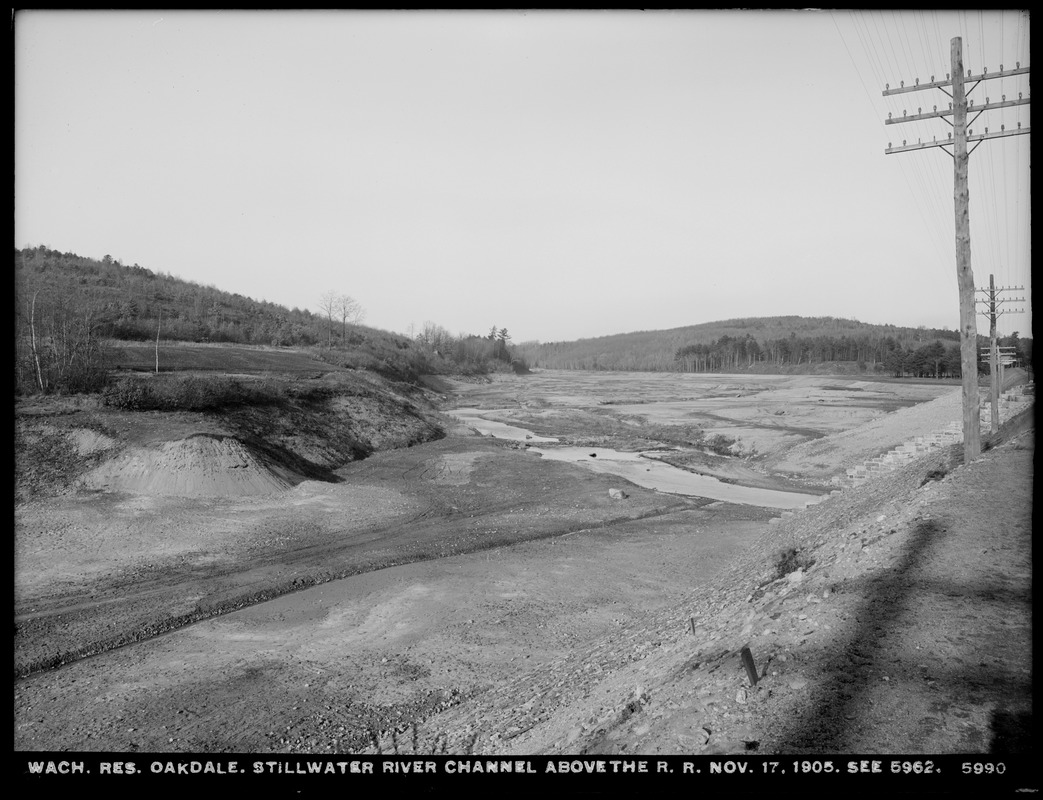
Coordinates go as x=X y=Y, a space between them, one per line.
x=202 y=465
x=88 y=442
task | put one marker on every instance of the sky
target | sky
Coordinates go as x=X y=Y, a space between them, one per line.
x=563 y=175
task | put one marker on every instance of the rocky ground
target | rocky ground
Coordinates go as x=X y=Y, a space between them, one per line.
x=892 y=618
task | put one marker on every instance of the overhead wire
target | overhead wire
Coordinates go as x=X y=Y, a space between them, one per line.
x=936 y=167
x=992 y=257
x=907 y=43
x=1008 y=171
x=920 y=173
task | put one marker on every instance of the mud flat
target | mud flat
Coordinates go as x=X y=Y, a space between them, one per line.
x=791 y=433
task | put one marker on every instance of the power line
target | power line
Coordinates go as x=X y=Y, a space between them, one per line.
x=996 y=363
x=959 y=145
x=876 y=42
x=916 y=174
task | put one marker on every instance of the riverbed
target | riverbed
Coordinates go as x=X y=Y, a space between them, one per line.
x=722 y=437
x=641 y=468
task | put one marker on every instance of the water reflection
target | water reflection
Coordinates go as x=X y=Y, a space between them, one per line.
x=498 y=430
x=642 y=469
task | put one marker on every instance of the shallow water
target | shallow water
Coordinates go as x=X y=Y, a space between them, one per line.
x=498 y=430
x=639 y=468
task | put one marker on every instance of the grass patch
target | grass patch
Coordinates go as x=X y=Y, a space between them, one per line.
x=179 y=357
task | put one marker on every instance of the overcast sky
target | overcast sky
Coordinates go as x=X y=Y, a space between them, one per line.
x=563 y=175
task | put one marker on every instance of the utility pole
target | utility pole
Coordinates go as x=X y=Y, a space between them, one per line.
x=159 y=322
x=964 y=275
x=958 y=141
x=995 y=363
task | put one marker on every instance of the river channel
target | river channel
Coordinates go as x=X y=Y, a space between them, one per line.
x=641 y=468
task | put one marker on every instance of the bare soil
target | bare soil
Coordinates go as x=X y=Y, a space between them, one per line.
x=181 y=587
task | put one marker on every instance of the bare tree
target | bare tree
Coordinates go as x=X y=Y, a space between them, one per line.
x=349 y=310
x=328 y=305
x=435 y=336
x=60 y=334
x=35 y=351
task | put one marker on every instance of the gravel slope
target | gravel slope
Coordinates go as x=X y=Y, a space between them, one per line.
x=904 y=627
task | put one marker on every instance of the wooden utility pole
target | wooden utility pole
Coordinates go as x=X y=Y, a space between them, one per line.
x=994 y=359
x=995 y=362
x=964 y=275
x=958 y=140
x=159 y=323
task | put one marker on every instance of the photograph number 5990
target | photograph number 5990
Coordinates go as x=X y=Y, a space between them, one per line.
x=979 y=768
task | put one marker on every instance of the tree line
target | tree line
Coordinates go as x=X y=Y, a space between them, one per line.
x=470 y=352
x=935 y=359
x=764 y=345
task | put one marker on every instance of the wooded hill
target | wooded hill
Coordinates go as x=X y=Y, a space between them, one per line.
x=768 y=344
x=69 y=308
x=133 y=303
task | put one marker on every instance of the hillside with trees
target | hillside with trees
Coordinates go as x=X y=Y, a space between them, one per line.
x=770 y=344
x=69 y=309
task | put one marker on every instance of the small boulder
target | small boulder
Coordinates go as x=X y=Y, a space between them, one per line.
x=617 y=494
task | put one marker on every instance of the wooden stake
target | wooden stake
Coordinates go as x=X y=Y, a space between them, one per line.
x=751 y=668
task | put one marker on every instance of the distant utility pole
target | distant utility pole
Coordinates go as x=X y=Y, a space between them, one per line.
x=958 y=139
x=159 y=322
x=995 y=362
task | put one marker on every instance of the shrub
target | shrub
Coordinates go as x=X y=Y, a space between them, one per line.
x=789 y=559
x=191 y=393
x=310 y=393
x=720 y=444
x=129 y=394
x=935 y=475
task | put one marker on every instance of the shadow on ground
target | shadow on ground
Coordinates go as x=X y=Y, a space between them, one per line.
x=854 y=710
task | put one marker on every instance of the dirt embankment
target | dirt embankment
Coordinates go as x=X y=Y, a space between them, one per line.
x=129 y=534
x=132 y=523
